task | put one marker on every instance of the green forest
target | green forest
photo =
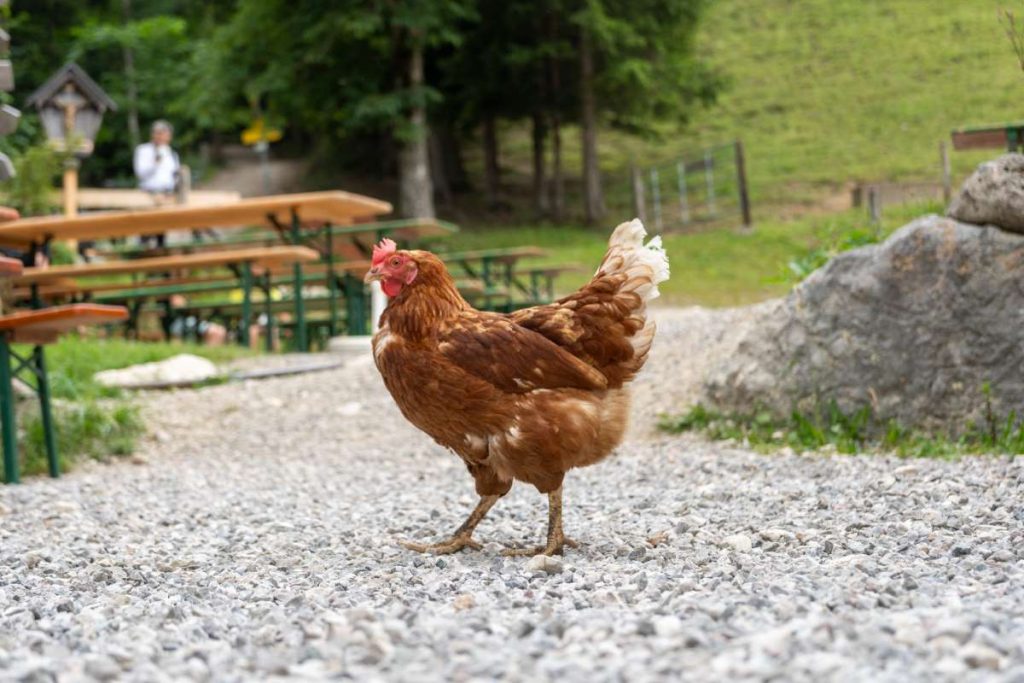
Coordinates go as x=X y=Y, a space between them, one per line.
x=531 y=113
x=387 y=90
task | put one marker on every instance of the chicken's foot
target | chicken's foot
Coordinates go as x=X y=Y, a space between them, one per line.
x=556 y=538
x=463 y=536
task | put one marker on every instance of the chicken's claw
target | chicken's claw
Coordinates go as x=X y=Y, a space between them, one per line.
x=452 y=545
x=552 y=548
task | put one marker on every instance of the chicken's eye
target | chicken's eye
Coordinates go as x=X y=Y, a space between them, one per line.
x=395 y=262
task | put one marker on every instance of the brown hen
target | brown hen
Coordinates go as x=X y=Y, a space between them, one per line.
x=522 y=396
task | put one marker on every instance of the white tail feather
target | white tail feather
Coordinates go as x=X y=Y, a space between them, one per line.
x=645 y=265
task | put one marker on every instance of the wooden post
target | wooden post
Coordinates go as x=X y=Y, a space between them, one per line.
x=875 y=204
x=639 y=203
x=741 y=182
x=709 y=177
x=947 y=175
x=184 y=186
x=684 y=202
x=71 y=187
x=656 y=198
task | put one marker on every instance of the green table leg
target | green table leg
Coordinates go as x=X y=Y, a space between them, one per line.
x=10 y=434
x=43 y=389
x=268 y=309
x=300 y=305
x=246 y=322
x=354 y=305
x=332 y=283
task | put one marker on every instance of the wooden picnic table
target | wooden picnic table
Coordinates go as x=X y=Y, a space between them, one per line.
x=265 y=257
x=1007 y=135
x=326 y=207
x=297 y=218
x=9 y=269
x=37 y=328
x=244 y=261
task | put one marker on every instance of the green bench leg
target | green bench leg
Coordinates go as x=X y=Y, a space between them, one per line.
x=10 y=434
x=43 y=389
x=300 y=308
x=355 y=305
x=246 y=322
x=268 y=310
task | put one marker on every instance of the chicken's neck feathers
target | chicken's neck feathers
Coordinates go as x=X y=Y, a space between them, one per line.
x=425 y=305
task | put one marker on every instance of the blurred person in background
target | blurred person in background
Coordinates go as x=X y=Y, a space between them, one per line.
x=157 y=168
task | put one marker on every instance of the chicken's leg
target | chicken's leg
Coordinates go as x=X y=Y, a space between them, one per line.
x=556 y=538
x=463 y=536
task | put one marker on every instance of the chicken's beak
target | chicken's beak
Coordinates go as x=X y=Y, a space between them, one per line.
x=373 y=274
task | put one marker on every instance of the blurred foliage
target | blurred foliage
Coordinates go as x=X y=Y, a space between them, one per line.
x=334 y=74
x=31 y=190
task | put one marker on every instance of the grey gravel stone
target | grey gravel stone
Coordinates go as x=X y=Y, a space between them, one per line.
x=260 y=542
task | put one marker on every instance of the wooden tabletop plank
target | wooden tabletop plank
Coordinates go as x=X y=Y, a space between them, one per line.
x=266 y=257
x=10 y=267
x=45 y=325
x=330 y=207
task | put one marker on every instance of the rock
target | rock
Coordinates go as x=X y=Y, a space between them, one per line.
x=993 y=195
x=545 y=563
x=183 y=369
x=464 y=601
x=911 y=327
x=102 y=667
x=775 y=535
x=741 y=543
x=978 y=656
x=667 y=626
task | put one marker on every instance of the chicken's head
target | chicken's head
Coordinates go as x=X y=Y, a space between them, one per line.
x=393 y=268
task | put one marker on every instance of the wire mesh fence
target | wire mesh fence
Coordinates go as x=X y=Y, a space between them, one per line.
x=703 y=187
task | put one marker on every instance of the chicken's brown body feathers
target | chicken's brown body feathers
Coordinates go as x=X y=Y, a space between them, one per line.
x=527 y=395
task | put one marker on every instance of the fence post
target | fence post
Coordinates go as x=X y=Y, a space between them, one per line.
x=709 y=176
x=684 y=203
x=639 y=204
x=874 y=204
x=947 y=175
x=656 y=198
x=741 y=182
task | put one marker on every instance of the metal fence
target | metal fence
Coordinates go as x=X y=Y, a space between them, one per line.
x=703 y=187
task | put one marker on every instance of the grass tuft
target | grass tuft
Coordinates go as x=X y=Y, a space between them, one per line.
x=853 y=432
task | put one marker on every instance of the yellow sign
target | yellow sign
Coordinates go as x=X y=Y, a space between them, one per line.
x=257 y=133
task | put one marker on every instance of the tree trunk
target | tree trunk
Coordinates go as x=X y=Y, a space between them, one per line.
x=593 y=199
x=492 y=172
x=540 y=200
x=450 y=151
x=557 y=177
x=416 y=192
x=437 y=171
x=131 y=88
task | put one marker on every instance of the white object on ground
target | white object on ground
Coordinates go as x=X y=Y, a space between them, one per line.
x=181 y=369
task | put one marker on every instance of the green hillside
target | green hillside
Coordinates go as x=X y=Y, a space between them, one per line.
x=825 y=93
x=829 y=91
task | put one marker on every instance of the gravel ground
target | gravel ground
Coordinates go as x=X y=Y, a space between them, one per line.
x=254 y=537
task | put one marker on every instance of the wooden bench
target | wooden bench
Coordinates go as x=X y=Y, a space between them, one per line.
x=1009 y=136
x=38 y=328
x=243 y=260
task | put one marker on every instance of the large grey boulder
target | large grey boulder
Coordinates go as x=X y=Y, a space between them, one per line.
x=912 y=327
x=993 y=195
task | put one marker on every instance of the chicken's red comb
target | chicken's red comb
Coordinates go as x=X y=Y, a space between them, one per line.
x=386 y=248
